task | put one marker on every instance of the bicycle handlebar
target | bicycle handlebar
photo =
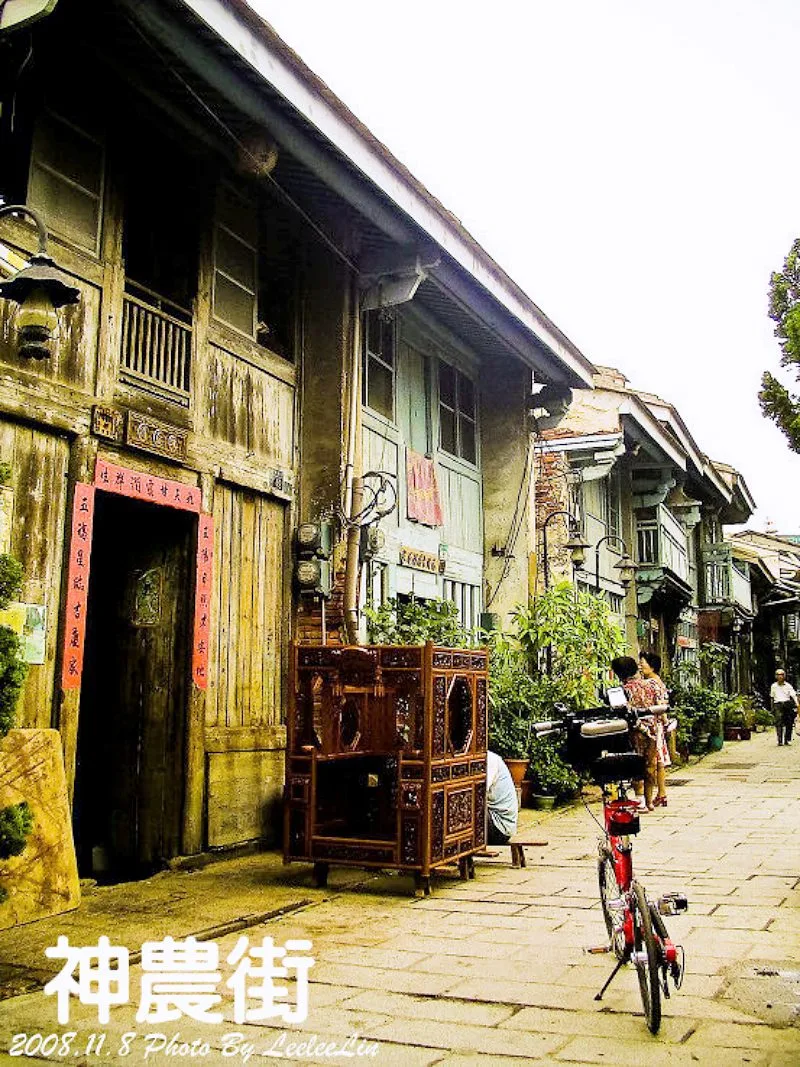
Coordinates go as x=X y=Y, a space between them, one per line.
x=555 y=726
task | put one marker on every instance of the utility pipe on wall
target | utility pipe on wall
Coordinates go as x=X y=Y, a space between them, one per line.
x=353 y=487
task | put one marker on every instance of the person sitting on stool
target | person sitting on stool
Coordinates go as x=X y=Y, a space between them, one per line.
x=501 y=801
x=783 y=699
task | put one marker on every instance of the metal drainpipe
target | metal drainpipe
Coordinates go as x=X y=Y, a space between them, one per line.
x=354 y=491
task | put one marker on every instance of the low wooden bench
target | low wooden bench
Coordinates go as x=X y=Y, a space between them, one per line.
x=518 y=843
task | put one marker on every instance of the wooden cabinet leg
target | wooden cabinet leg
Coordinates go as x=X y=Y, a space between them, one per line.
x=422 y=885
x=470 y=867
x=463 y=868
x=320 y=875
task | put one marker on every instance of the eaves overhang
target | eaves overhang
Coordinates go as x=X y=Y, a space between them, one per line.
x=312 y=123
x=637 y=416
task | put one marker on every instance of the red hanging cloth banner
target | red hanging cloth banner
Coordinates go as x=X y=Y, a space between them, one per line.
x=424 y=504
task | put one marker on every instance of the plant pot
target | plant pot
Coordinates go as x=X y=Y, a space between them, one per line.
x=744 y=733
x=733 y=733
x=525 y=798
x=715 y=743
x=542 y=803
x=518 y=768
x=699 y=744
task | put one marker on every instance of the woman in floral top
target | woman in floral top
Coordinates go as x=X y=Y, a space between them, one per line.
x=649 y=666
x=641 y=694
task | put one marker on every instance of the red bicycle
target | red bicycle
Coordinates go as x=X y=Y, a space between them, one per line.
x=598 y=741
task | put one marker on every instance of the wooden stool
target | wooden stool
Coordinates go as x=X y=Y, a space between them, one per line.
x=518 y=842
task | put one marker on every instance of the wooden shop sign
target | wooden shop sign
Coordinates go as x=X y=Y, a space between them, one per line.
x=420 y=561
x=157 y=437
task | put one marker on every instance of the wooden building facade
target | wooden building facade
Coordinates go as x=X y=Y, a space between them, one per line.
x=198 y=401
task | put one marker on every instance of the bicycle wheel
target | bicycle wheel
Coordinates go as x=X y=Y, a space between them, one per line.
x=609 y=892
x=646 y=957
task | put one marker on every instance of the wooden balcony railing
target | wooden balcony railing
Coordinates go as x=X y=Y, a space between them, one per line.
x=723 y=583
x=156 y=348
x=662 y=542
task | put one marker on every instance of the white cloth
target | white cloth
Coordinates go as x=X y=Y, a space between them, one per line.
x=501 y=795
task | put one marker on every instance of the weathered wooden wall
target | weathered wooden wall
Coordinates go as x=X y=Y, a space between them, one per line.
x=38 y=461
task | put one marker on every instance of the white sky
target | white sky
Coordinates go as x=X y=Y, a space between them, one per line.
x=634 y=165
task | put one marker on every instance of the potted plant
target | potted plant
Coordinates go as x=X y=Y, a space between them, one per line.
x=551 y=778
x=737 y=722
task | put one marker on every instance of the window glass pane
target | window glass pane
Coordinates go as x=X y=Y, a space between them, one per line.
x=233 y=304
x=447 y=430
x=372 y=332
x=380 y=389
x=236 y=259
x=237 y=214
x=387 y=341
x=447 y=385
x=466 y=396
x=65 y=149
x=69 y=212
x=467 y=439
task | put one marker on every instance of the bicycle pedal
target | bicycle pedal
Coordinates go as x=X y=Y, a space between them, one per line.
x=598 y=950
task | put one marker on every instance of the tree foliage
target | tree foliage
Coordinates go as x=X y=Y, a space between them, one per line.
x=777 y=403
x=581 y=635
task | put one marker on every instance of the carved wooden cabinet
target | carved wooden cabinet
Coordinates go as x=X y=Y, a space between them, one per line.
x=386 y=757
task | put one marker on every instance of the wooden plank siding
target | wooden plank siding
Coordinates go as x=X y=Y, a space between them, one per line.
x=245 y=656
x=38 y=477
x=248 y=407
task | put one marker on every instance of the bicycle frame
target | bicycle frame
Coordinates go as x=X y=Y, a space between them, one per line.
x=650 y=950
x=636 y=930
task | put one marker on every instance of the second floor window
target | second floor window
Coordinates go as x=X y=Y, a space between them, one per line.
x=236 y=261
x=457 y=416
x=66 y=180
x=611 y=505
x=379 y=362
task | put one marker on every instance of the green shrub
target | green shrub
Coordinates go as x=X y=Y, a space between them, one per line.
x=549 y=773
x=416 y=622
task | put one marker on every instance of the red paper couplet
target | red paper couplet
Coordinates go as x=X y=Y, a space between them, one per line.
x=143 y=486
x=202 y=600
x=80 y=550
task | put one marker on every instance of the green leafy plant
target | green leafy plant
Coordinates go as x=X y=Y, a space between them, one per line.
x=549 y=773
x=571 y=635
x=413 y=623
x=698 y=709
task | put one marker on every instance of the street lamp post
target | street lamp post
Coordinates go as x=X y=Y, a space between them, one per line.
x=575 y=546
x=39 y=289
x=625 y=566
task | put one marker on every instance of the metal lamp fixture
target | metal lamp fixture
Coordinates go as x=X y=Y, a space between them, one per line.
x=625 y=566
x=575 y=545
x=39 y=289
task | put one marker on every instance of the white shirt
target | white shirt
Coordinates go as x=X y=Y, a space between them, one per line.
x=781 y=693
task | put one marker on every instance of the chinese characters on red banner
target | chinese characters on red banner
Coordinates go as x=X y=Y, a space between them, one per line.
x=80 y=548
x=138 y=485
x=143 y=486
x=202 y=600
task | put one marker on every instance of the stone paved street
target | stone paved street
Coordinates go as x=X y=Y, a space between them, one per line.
x=494 y=970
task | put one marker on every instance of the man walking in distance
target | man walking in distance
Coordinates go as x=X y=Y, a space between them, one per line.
x=784 y=707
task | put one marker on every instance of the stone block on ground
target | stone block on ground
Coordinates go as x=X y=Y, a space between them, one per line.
x=43 y=879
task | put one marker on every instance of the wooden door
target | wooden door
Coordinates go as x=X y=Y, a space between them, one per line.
x=131 y=733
